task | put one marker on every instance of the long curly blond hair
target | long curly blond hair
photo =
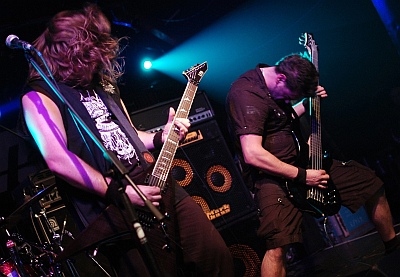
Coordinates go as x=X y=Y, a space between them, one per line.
x=79 y=49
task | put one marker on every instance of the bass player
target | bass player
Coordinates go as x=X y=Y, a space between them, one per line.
x=261 y=120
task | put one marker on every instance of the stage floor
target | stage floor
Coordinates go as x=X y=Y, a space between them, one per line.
x=361 y=256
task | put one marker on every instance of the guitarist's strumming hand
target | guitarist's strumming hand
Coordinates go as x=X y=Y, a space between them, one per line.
x=181 y=125
x=153 y=194
x=317 y=178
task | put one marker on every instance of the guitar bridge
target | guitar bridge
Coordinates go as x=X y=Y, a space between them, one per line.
x=316 y=195
x=146 y=219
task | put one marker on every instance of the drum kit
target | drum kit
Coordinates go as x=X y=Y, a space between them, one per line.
x=35 y=249
x=35 y=242
x=26 y=257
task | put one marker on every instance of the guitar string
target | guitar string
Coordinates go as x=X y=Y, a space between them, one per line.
x=172 y=140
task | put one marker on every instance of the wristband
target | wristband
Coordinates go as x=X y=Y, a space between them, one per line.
x=157 y=140
x=301 y=175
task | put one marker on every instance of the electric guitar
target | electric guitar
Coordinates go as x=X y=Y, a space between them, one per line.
x=165 y=158
x=162 y=235
x=319 y=202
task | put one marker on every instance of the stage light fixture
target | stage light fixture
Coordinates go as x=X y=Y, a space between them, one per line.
x=147 y=64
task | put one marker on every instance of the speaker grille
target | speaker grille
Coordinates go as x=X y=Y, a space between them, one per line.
x=206 y=170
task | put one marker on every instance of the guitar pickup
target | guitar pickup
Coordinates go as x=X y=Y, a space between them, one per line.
x=191 y=137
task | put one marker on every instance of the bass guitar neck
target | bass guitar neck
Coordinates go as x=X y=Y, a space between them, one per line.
x=319 y=202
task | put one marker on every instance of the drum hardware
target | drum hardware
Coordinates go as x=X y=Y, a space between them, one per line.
x=45 y=179
x=51 y=225
x=92 y=257
x=39 y=258
x=7 y=268
x=29 y=258
x=96 y=234
x=12 y=248
x=53 y=243
x=17 y=215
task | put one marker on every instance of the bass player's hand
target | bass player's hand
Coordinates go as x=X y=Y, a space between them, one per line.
x=317 y=178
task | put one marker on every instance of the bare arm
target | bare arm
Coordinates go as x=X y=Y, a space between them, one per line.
x=255 y=155
x=45 y=123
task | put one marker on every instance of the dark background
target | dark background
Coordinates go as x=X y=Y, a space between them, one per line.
x=359 y=63
x=359 y=58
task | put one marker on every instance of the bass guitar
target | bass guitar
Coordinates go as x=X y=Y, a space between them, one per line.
x=319 y=202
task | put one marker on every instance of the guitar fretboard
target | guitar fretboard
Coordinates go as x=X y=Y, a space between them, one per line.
x=316 y=153
x=166 y=156
x=171 y=143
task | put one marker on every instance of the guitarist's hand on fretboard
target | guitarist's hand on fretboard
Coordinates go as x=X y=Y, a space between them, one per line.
x=181 y=125
x=321 y=92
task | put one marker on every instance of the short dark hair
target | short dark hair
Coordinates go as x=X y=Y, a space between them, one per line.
x=301 y=74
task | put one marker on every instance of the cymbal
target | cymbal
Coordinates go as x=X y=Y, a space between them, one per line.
x=16 y=216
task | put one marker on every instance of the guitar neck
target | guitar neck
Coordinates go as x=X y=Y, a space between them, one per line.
x=316 y=156
x=164 y=162
x=171 y=143
x=316 y=153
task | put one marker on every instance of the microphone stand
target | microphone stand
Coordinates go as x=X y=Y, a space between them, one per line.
x=131 y=215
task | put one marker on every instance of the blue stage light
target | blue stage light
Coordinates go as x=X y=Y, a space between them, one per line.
x=147 y=64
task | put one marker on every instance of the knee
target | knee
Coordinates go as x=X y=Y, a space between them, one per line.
x=375 y=199
x=275 y=254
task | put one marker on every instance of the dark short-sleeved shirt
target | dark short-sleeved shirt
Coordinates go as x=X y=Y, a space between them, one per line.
x=251 y=110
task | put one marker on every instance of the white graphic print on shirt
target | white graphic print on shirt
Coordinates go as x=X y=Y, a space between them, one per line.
x=114 y=139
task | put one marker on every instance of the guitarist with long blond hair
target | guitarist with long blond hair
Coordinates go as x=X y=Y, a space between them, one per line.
x=82 y=57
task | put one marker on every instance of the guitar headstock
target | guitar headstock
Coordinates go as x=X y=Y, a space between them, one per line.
x=196 y=73
x=307 y=40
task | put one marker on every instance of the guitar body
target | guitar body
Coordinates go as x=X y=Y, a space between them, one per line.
x=162 y=236
x=316 y=201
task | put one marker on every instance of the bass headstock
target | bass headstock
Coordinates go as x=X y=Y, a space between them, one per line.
x=307 y=40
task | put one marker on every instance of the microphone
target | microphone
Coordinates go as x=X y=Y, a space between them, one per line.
x=14 y=42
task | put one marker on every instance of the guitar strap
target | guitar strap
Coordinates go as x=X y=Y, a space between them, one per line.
x=146 y=159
